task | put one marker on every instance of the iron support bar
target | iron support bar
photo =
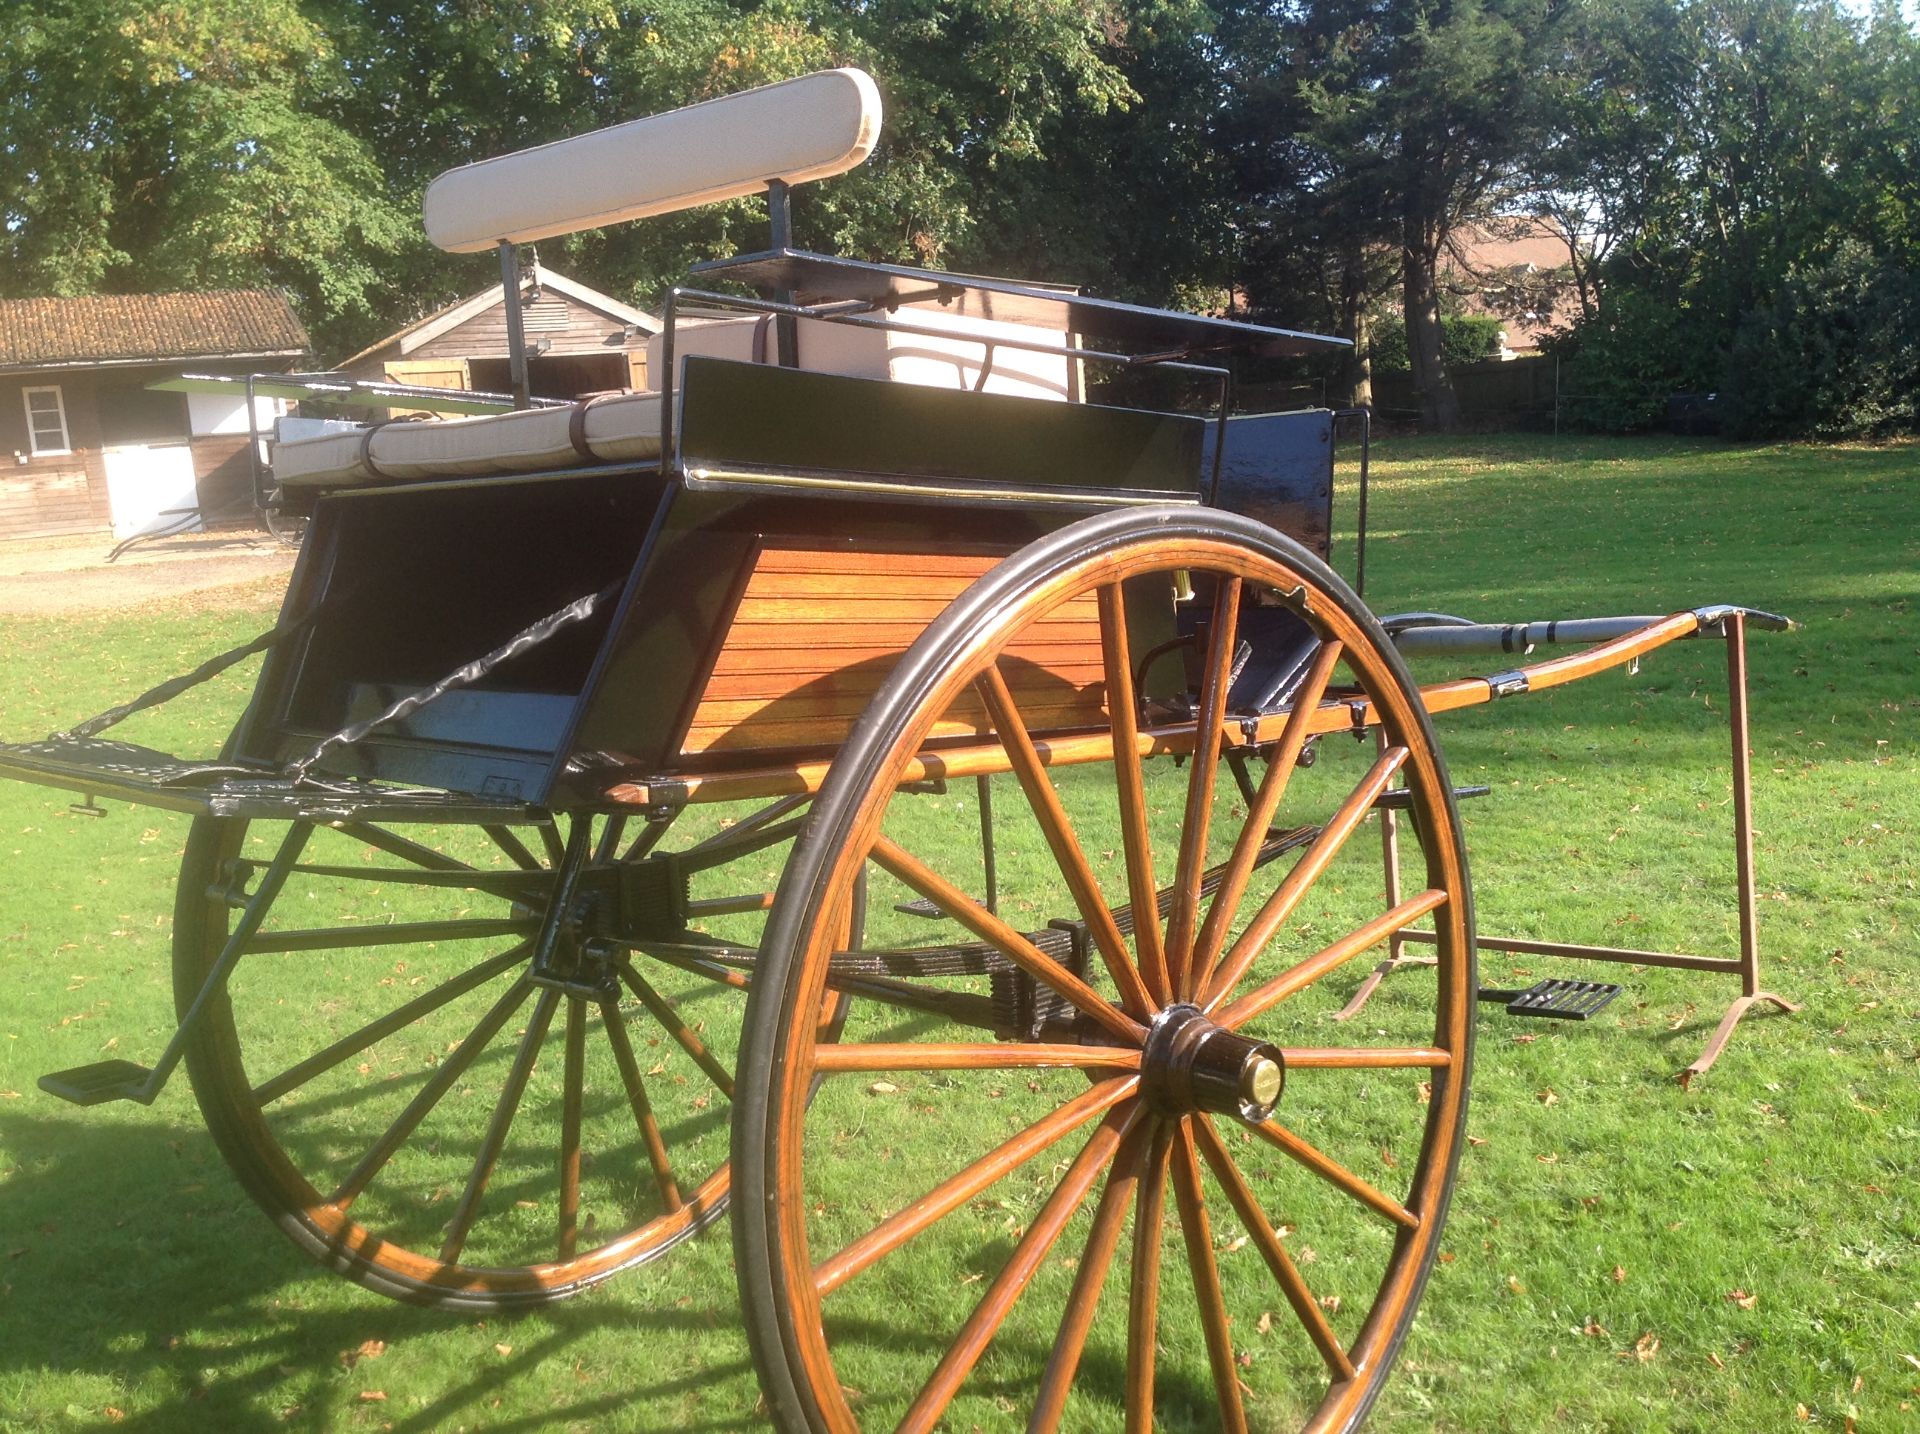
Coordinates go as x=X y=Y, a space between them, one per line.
x=516 y=330
x=1731 y=624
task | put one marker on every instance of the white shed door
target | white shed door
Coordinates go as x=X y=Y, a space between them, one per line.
x=148 y=486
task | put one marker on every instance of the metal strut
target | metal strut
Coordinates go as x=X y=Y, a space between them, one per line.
x=127 y=1080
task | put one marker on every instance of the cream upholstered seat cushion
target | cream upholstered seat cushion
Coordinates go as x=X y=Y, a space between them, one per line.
x=798 y=130
x=619 y=427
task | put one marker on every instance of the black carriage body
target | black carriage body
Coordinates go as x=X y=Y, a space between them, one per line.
x=401 y=585
x=411 y=581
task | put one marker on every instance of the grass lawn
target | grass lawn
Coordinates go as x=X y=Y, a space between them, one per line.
x=1622 y=1254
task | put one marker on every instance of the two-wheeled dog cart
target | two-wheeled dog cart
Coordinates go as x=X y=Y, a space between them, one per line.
x=870 y=781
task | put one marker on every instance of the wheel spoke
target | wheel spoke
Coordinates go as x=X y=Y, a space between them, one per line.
x=1045 y=802
x=397 y=1019
x=1143 y=1310
x=1304 y=974
x=1123 y=716
x=650 y=835
x=549 y=831
x=991 y=929
x=956 y=1007
x=729 y=905
x=429 y=1095
x=1089 y=1279
x=509 y=842
x=572 y=1090
x=607 y=844
x=997 y=1303
x=504 y=1110
x=642 y=1107
x=773 y=811
x=737 y=843
x=398 y=933
x=900 y=1227
x=1197 y=1231
x=664 y=1013
x=695 y=965
x=1003 y=1055
x=1292 y=1284
x=1260 y=812
x=1330 y=1170
x=1313 y=861
x=1197 y=823
x=380 y=839
x=509 y=885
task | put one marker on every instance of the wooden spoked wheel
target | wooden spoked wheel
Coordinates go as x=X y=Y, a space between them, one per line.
x=935 y=1241
x=399 y=1089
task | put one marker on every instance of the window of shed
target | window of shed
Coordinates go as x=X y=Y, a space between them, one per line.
x=46 y=421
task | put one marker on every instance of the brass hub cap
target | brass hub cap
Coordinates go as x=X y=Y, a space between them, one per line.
x=1191 y=1064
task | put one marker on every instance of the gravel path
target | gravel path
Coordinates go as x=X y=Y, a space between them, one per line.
x=46 y=579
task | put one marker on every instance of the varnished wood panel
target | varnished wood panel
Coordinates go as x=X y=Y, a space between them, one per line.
x=816 y=631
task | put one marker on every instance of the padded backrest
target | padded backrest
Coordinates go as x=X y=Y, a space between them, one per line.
x=861 y=352
x=810 y=128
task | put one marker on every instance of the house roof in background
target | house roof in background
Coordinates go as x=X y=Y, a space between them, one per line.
x=131 y=328
x=430 y=327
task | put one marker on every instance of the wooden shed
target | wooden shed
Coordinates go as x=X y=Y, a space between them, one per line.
x=580 y=341
x=84 y=444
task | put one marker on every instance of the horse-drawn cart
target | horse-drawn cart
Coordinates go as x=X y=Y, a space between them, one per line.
x=612 y=834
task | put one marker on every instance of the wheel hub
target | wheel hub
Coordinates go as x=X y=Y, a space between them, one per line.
x=1191 y=1064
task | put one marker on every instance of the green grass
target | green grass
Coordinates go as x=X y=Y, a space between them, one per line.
x=1606 y=1207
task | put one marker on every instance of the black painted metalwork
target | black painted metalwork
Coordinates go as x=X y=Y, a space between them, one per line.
x=822 y=278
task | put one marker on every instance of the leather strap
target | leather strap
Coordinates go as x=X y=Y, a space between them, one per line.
x=577 y=430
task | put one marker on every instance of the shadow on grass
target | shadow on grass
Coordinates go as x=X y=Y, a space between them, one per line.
x=134 y=1270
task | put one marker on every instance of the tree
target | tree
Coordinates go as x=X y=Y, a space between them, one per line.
x=1396 y=124
x=153 y=146
x=196 y=142
x=1718 y=149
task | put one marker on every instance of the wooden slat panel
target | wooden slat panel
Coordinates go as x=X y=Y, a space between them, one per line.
x=818 y=630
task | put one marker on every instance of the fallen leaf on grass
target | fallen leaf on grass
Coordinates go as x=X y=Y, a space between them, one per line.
x=1528 y=1039
x=1593 y=1329
x=1619 y=1275
x=369 y=1349
x=373 y=1396
x=1476 y=1140
x=1742 y=1298
x=1715 y=1360
x=882 y=1087
x=1547 y=1097
x=116 y=1415
x=503 y=1350
x=1265 y=1323
x=1644 y=1348
x=1910 y=1359
x=1802 y=1413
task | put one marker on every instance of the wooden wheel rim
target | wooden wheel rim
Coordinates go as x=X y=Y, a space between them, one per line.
x=247 y=1136
x=948 y=658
